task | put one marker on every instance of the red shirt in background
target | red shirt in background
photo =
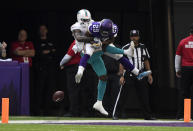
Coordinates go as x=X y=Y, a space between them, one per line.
x=185 y=50
x=26 y=46
x=75 y=56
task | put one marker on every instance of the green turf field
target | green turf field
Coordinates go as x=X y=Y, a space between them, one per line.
x=39 y=127
x=62 y=127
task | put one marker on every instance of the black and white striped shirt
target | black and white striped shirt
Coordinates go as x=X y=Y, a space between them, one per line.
x=140 y=55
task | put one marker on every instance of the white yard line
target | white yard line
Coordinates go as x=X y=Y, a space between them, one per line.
x=87 y=121
x=72 y=128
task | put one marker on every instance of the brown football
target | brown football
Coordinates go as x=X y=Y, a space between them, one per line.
x=58 y=96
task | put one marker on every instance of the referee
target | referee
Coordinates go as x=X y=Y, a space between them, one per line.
x=140 y=60
x=184 y=67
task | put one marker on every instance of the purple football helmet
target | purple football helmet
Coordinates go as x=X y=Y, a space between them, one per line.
x=106 y=27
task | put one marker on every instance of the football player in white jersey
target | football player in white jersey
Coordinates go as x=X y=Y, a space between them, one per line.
x=80 y=30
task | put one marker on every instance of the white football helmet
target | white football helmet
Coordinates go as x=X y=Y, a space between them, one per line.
x=84 y=16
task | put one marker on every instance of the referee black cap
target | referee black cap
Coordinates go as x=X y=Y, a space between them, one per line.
x=134 y=33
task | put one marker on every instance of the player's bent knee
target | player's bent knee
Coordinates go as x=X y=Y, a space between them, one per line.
x=118 y=56
x=103 y=78
x=89 y=53
x=114 y=56
x=111 y=44
x=89 y=50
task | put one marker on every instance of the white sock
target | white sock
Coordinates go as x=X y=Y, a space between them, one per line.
x=98 y=101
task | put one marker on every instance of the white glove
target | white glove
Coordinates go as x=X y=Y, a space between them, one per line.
x=79 y=74
x=78 y=77
x=130 y=52
x=77 y=48
x=132 y=45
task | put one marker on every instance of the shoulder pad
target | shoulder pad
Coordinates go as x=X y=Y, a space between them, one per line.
x=75 y=26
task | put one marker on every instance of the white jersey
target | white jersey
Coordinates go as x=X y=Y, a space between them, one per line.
x=79 y=26
x=83 y=28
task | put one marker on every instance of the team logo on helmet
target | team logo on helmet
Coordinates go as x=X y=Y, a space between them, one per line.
x=83 y=16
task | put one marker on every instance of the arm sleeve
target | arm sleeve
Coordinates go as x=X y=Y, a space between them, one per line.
x=177 y=62
x=69 y=55
x=65 y=59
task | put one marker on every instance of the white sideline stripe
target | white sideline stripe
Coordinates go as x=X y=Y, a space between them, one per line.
x=87 y=121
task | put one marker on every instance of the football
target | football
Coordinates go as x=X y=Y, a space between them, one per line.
x=58 y=96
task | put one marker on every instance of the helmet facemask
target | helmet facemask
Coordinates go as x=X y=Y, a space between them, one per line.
x=85 y=21
x=104 y=33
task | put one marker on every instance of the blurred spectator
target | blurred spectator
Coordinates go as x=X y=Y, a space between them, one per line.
x=23 y=51
x=3 y=54
x=141 y=61
x=46 y=68
x=184 y=71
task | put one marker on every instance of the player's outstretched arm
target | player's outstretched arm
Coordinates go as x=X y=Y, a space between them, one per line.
x=65 y=59
x=114 y=50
